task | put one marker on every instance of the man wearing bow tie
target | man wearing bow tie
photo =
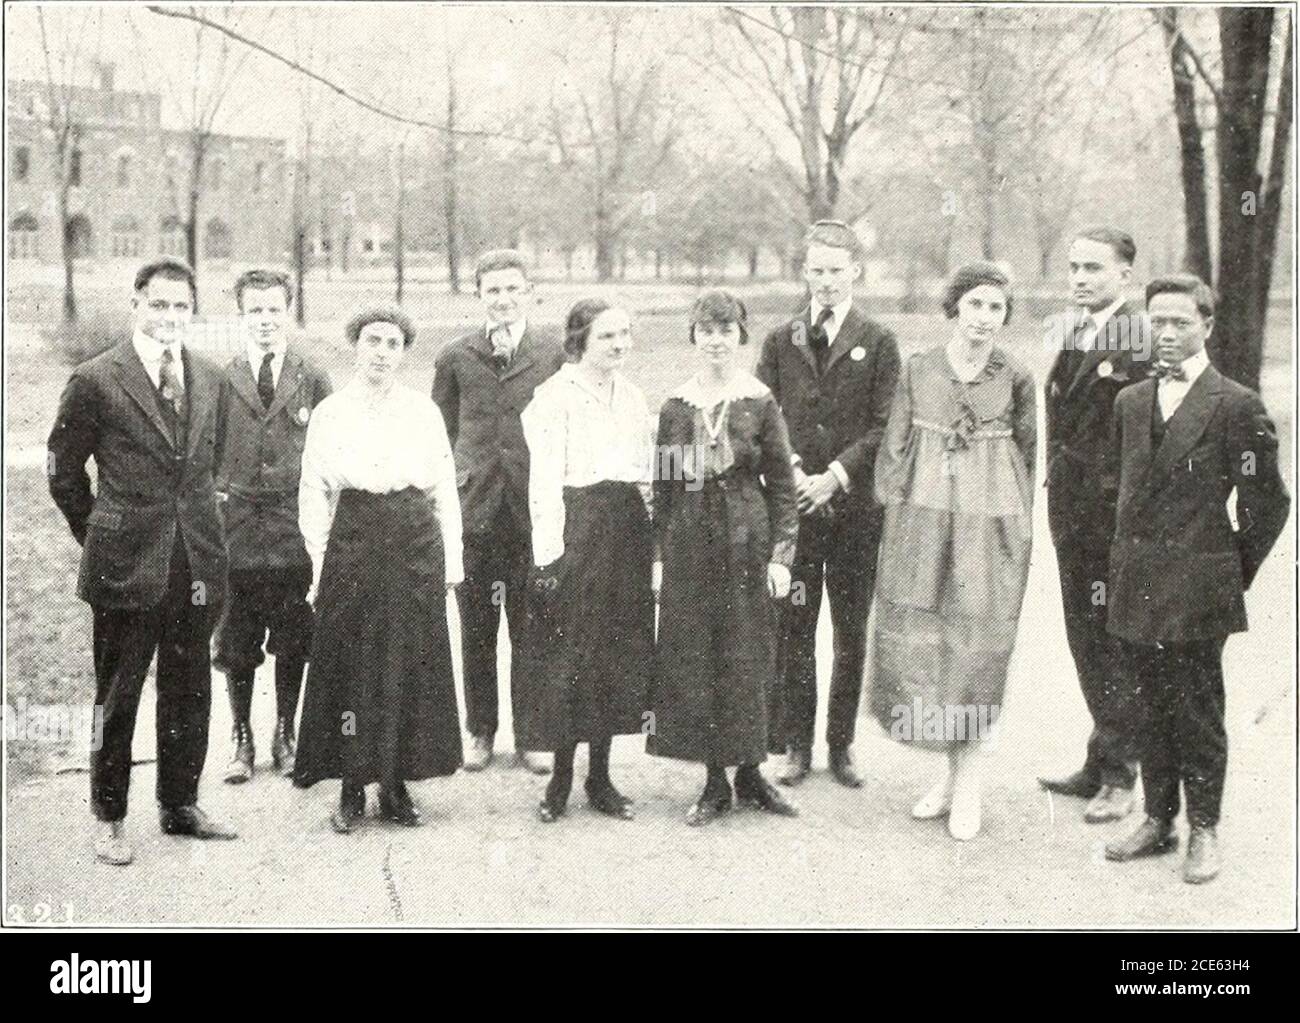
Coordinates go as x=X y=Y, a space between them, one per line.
x=1179 y=567
x=1105 y=347
x=482 y=382
x=833 y=372
x=269 y=391
x=153 y=560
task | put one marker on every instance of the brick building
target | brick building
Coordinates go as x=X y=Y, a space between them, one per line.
x=131 y=182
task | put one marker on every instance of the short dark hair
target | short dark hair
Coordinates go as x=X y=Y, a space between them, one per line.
x=499 y=259
x=971 y=276
x=1121 y=242
x=260 y=280
x=1185 y=284
x=837 y=235
x=168 y=270
x=381 y=314
x=721 y=307
x=578 y=325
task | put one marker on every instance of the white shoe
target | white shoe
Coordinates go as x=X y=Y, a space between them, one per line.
x=964 y=817
x=936 y=802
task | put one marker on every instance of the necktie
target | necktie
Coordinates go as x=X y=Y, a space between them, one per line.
x=501 y=348
x=1083 y=334
x=819 y=339
x=1165 y=371
x=168 y=385
x=266 y=381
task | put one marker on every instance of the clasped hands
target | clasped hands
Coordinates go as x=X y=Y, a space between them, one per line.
x=814 y=492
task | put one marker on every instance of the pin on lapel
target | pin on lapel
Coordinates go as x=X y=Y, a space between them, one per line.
x=303 y=415
x=1104 y=369
x=858 y=354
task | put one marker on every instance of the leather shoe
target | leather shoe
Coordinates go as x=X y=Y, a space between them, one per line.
x=1151 y=838
x=1203 y=862
x=709 y=807
x=351 y=808
x=1112 y=803
x=1081 y=784
x=798 y=762
x=240 y=768
x=842 y=769
x=604 y=798
x=534 y=763
x=397 y=807
x=191 y=821
x=282 y=747
x=752 y=789
x=111 y=845
x=480 y=753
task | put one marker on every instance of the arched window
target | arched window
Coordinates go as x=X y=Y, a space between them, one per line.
x=217 y=243
x=171 y=237
x=24 y=235
x=126 y=237
x=80 y=238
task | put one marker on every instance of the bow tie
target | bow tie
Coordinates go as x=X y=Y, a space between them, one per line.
x=1163 y=371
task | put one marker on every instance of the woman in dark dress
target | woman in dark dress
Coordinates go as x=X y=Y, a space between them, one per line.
x=725 y=524
x=590 y=632
x=380 y=516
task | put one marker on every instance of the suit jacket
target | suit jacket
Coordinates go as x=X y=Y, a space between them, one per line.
x=148 y=489
x=261 y=460
x=841 y=414
x=1082 y=475
x=1178 y=569
x=481 y=411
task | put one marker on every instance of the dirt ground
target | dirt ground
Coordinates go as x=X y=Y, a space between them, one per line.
x=851 y=858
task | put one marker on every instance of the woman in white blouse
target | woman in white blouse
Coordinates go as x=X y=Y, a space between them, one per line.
x=591 y=622
x=378 y=510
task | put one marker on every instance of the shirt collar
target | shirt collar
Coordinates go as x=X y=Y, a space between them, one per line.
x=838 y=311
x=256 y=355
x=740 y=385
x=1193 y=367
x=575 y=376
x=516 y=331
x=150 y=351
x=1099 y=318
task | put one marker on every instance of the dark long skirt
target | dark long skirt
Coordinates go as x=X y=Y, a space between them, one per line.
x=589 y=645
x=716 y=655
x=380 y=699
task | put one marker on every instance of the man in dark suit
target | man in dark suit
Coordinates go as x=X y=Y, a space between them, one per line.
x=153 y=562
x=1105 y=345
x=482 y=382
x=268 y=394
x=833 y=372
x=1179 y=568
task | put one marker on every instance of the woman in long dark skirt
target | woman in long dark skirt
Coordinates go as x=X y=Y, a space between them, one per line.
x=725 y=522
x=590 y=633
x=380 y=516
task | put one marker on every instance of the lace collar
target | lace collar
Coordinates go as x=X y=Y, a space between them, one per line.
x=741 y=385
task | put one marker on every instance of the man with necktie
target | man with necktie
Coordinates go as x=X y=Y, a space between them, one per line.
x=153 y=562
x=269 y=391
x=1105 y=346
x=833 y=372
x=1179 y=567
x=482 y=382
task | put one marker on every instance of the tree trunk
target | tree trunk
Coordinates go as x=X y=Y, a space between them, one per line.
x=1195 y=205
x=449 y=191
x=753 y=262
x=1246 y=40
x=659 y=263
x=1271 y=200
x=199 y=145
x=69 y=264
x=300 y=271
x=399 y=242
x=604 y=241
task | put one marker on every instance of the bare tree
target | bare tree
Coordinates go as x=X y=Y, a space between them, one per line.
x=64 y=120
x=810 y=79
x=1251 y=141
x=620 y=126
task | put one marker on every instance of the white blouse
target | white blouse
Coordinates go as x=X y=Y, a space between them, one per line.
x=576 y=437
x=356 y=443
